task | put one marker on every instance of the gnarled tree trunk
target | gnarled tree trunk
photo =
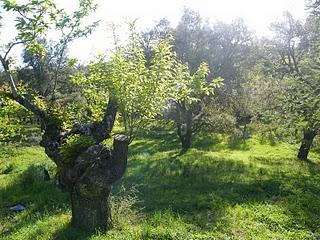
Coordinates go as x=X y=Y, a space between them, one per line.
x=306 y=143
x=88 y=177
x=97 y=169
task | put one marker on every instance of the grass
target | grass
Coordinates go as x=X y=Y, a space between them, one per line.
x=217 y=190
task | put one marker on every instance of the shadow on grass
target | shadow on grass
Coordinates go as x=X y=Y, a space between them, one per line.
x=155 y=142
x=39 y=196
x=196 y=182
x=158 y=142
x=217 y=143
x=70 y=233
x=185 y=186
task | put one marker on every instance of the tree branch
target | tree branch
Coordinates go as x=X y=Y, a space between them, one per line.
x=11 y=46
x=16 y=96
x=9 y=78
x=99 y=130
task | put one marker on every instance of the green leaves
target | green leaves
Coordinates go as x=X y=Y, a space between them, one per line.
x=32 y=20
x=10 y=112
x=142 y=90
x=192 y=88
x=36 y=48
x=35 y=18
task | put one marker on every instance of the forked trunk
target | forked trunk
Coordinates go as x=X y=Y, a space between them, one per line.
x=90 y=179
x=306 y=143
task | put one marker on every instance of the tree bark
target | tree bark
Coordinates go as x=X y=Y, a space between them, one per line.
x=306 y=143
x=93 y=174
x=91 y=213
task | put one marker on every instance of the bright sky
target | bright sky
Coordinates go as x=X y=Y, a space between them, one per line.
x=257 y=14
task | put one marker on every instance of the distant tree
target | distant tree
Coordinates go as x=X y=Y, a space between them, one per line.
x=190 y=39
x=314 y=7
x=227 y=48
x=160 y=31
x=43 y=73
x=293 y=55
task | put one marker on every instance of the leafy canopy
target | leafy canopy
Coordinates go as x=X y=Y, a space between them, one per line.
x=141 y=89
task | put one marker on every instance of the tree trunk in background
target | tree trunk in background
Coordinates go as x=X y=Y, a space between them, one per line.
x=306 y=143
x=186 y=140
x=185 y=131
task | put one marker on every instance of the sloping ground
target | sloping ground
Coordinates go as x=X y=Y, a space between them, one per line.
x=217 y=190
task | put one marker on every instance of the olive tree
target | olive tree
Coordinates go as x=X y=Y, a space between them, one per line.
x=86 y=166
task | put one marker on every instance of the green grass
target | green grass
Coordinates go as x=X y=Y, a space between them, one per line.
x=217 y=190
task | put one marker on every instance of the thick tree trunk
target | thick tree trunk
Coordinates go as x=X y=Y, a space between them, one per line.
x=90 y=176
x=91 y=181
x=91 y=213
x=306 y=143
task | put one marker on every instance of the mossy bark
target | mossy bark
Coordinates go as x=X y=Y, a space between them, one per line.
x=89 y=175
x=96 y=170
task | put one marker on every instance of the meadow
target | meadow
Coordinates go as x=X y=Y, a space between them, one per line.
x=219 y=189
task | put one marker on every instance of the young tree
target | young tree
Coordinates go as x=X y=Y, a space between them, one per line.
x=188 y=108
x=141 y=85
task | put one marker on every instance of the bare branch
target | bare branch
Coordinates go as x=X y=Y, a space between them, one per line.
x=11 y=46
